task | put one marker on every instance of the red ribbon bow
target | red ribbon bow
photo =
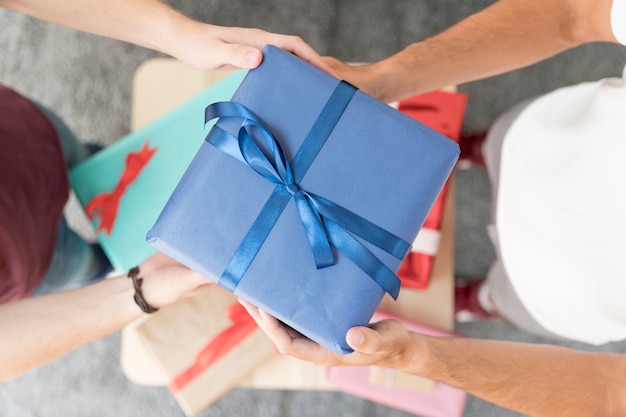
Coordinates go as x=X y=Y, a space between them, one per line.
x=242 y=325
x=106 y=204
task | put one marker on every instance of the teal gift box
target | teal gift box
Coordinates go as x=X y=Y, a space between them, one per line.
x=126 y=185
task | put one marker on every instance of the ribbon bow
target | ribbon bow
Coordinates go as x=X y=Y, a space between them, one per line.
x=325 y=222
x=105 y=205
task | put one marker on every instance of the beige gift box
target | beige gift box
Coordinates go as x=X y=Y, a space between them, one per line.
x=189 y=342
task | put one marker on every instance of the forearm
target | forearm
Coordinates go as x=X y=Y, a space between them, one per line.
x=148 y=23
x=538 y=380
x=37 y=330
x=153 y=24
x=507 y=35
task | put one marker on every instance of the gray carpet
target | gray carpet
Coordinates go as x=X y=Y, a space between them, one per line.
x=87 y=80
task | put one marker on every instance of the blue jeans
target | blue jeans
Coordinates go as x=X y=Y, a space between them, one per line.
x=75 y=262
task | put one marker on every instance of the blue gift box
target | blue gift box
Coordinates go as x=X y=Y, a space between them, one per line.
x=303 y=197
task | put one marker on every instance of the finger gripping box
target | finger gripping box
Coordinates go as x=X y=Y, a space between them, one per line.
x=303 y=197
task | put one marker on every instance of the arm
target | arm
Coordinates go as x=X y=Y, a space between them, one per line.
x=537 y=380
x=507 y=35
x=155 y=25
x=39 y=329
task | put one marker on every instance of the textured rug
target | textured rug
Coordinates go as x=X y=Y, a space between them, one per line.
x=87 y=81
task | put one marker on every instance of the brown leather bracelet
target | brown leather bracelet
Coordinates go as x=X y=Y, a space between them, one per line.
x=133 y=274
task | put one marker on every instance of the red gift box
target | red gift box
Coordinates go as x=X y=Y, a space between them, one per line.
x=444 y=112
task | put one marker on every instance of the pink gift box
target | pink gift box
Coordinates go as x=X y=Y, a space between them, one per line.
x=438 y=400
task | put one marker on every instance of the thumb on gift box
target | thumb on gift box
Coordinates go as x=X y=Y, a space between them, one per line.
x=356 y=339
x=384 y=343
x=367 y=340
x=242 y=56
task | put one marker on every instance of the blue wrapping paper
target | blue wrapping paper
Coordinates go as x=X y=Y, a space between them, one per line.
x=376 y=163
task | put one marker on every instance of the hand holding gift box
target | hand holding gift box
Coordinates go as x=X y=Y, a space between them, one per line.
x=438 y=400
x=389 y=341
x=362 y=179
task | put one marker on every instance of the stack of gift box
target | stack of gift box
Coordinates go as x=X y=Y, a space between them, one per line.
x=296 y=192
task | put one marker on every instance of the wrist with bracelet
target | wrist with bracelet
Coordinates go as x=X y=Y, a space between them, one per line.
x=133 y=274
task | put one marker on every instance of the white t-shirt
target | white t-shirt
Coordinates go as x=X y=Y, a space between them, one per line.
x=618 y=20
x=561 y=209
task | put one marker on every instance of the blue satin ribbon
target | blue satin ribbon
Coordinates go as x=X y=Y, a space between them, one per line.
x=325 y=222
